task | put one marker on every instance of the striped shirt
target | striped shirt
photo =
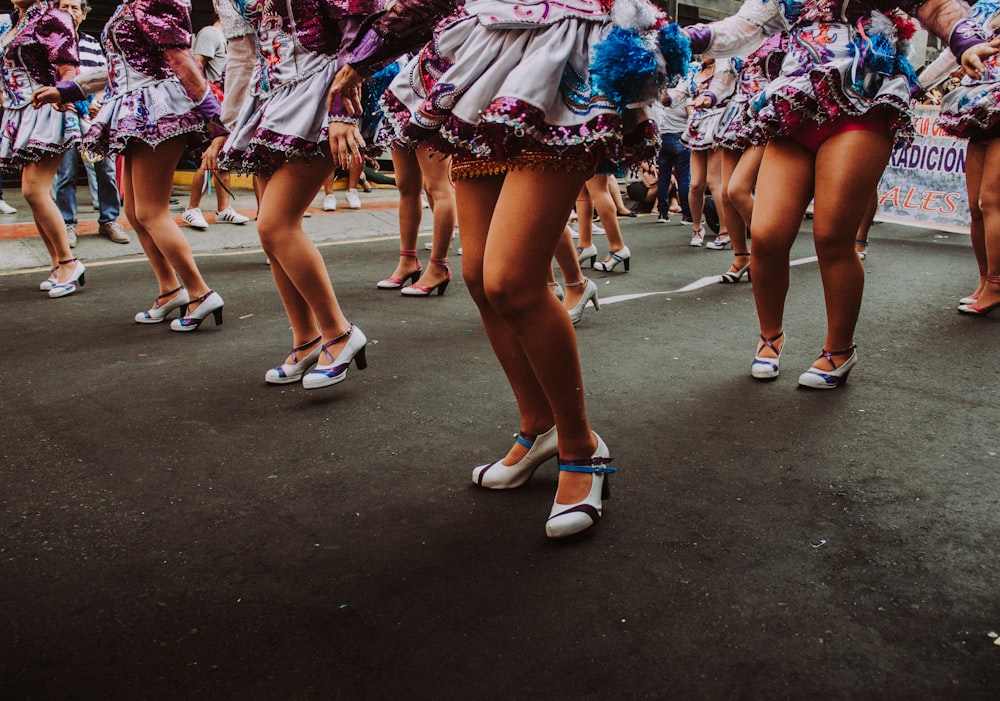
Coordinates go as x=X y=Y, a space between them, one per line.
x=91 y=55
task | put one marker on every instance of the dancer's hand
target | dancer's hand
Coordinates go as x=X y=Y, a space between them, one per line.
x=48 y=95
x=702 y=102
x=210 y=159
x=347 y=84
x=346 y=143
x=972 y=59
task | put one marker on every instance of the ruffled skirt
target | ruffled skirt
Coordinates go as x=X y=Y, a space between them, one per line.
x=288 y=123
x=812 y=91
x=734 y=130
x=971 y=111
x=27 y=135
x=520 y=97
x=702 y=127
x=151 y=114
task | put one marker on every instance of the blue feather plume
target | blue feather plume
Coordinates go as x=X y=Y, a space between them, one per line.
x=622 y=67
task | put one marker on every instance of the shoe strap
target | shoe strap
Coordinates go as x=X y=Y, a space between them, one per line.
x=341 y=337
x=596 y=466
x=843 y=351
x=863 y=244
x=68 y=261
x=407 y=253
x=171 y=293
x=995 y=279
x=616 y=256
x=201 y=299
x=769 y=342
x=443 y=262
x=307 y=344
x=525 y=439
x=742 y=255
x=584 y=281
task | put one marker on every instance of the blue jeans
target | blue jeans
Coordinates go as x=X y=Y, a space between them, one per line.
x=673 y=156
x=64 y=189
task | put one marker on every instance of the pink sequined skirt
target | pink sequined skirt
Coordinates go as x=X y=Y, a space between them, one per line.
x=971 y=111
x=514 y=98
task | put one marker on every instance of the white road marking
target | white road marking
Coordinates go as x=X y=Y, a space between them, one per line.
x=691 y=287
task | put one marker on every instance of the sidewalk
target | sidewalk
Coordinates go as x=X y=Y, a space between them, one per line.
x=21 y=248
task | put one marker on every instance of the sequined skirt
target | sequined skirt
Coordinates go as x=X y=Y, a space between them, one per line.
x=27 y=135
x=287 y=123
x=516 y=97
x=701 y=128
x=151 y=114
x=812 y=92
x=971 y=111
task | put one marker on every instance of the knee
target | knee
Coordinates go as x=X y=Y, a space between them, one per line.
x=508 y=298
x=989 y=203
x=472 y=276
x=35 y=195
x=697 y=188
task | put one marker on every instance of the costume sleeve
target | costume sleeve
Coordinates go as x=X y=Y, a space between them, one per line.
x=742 y=33
x=723 y=83
x=166 y=23
x=405 y=27
x=56 y=33
x=939 y=70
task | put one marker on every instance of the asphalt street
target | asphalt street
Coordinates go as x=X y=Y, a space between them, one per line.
x=171 y=527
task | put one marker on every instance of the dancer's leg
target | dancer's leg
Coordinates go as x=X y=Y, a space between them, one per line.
x=989 y=204
x=36 y=187
x=437 y=180
x=975 y=161
x=696 y=191
x=409 y=182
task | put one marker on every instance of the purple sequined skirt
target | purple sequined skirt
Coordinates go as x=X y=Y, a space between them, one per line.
x=151 y=114
x=27 y=135
x=514 y=97
x=287 y=123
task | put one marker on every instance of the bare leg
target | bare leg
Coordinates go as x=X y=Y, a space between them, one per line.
x=850 y=165
x=437 y=180
x=149 y=176
x=717 y=188
x=221 y=186
x=569 y=264
x=989 y=205
x=584 y=219
x=36 y=186
x=505 y=262
x=409 y=181
x=735 y=225
x=614 y=189
x=786 y=186
x=597 y=186
x=867 y=219
x=974 y=163
x=696 y=195
x=303 y=279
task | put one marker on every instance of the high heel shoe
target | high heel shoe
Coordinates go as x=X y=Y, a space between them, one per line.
x=971 y=299
x=396 y=283
x=570 y=519
x=423 y=290
x=336 y=371
x=611 y=262
x=737 y=275
x=76 y=280
x=589 y=295
x=764 y=368
x=583 y=254
x=814 y=378
x=209 y=303
x=497 y=475
x=557 y=291
x=46 y=284
x=863 y=253
x=159 y=311
x=719 y=244
x=977 y=310
x=697 y=238
x=293 y=372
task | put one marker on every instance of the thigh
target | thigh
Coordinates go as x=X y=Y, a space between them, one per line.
x=989 y=197
x=289 y=192
x=785 y=187
x=436 y=169
x=848 y=168
x=409 y=179
x=744 y=175
x=699 y=168
x=37 y=177
x=150 y=174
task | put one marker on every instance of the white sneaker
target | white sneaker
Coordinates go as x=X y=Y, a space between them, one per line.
x=71 y=235
x=230 y=216
x=330 y=203
x=353 y=199
x=6 y=208
x=194 y=218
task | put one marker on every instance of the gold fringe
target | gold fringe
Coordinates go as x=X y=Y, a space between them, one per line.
x=468 y=167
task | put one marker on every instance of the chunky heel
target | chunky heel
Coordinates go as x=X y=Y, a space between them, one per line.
x=583 y=254
x=209 y=303
x=336 y=370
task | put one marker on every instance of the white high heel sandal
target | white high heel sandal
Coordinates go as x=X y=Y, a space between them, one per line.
x=496 y=475
x=570 y=519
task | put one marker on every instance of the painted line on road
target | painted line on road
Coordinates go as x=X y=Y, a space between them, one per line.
x=690 y=287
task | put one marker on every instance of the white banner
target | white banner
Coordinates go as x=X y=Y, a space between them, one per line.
x=924 y=184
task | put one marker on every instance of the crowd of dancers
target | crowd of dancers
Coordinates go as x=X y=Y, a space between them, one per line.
x=523 y=103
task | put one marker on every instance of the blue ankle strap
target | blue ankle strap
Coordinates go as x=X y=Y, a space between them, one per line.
x=596 y=466
x=522 y=438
